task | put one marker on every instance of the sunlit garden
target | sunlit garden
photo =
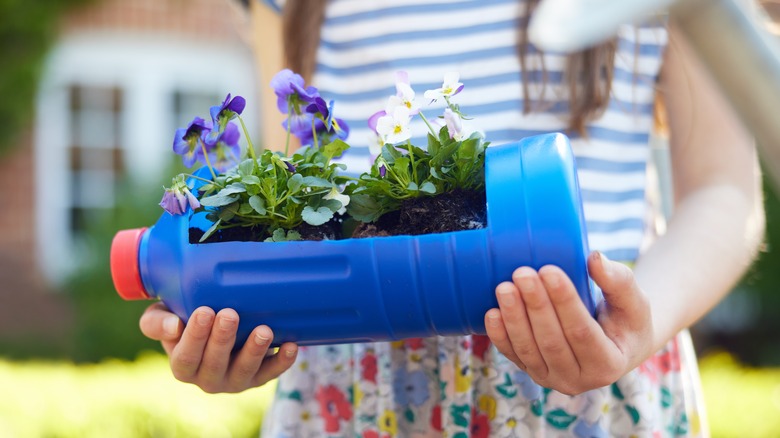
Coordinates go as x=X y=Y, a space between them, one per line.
x=140 y=399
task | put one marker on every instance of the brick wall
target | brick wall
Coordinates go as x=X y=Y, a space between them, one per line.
x=207 y=19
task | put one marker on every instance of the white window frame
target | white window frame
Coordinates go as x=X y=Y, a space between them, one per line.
x=148 y=69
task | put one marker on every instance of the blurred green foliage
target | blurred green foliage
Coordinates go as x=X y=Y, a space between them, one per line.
x=27 y=30
x=120 y=399
x=105 y=325
x=756 y=343
x=141 y=399
x=741 y=401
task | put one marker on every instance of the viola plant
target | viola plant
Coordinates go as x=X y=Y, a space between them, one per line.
x=454 y=158
x=273 y=194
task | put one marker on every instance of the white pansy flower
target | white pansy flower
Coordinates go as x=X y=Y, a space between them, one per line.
x=394 y=127
x=450 y=87
x=342 y=198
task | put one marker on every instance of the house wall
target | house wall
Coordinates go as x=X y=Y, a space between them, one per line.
x=148 y=49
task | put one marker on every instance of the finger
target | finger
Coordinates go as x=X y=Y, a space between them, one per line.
x=248 y=360
x=217 y=354
x=615 y=280
x=496 y=331
x=186 y=356
x=275 y=365
x=584 y=335
x=158 y=323
x=546 y=327
x=518 y=327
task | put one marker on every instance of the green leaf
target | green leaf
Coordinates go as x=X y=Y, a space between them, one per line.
x=280 y=236
x=334 y=149
x=390 y=153
x=316 y=217
x=210 y=231
x=250 y=180
x=294 y=183
x=258 y=204
x=246 y=167
x=245 y=209
x=333 y=205
x=428 y=187
x=412 y=187
x=444 y=154
x=433 y=144
x=364 y=208
x=232 y=189
x=218 y=200
x=560 y=419
x=228 y=212
x=313 y=181
x=401 y=168
x=277 y=236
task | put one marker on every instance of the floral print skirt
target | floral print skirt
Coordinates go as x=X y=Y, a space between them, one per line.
x=463 y=387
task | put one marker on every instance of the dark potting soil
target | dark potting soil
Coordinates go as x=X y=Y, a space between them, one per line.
x=328 y=231
x=454 y=211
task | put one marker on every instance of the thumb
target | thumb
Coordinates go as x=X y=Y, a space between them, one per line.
x=158 y=323
x=616 y=281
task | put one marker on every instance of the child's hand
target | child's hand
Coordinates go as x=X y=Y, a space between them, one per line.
x=200 y=353
x=543 y=327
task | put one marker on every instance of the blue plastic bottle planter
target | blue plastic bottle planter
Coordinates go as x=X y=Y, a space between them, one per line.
x=381 y=288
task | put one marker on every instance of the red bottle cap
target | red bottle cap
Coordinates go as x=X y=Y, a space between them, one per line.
x=124 y=264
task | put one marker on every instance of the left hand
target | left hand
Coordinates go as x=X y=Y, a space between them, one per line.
x=544 y=328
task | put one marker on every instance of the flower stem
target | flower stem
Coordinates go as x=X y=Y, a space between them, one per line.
x=250 y=147
x=430 y=128
x=208 y=161
x=314 y=135
x=287 y=139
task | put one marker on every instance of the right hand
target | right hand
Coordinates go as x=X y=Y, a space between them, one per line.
x=200 y=353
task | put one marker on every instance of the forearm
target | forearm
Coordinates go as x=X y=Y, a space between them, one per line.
x=711 y=240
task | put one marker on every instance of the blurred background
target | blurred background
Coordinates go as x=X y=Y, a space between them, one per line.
x=91 y=92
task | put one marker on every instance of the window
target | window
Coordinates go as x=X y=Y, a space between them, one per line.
x=95 y=155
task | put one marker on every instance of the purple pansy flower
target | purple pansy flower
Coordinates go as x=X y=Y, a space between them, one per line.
x=186 y=141
x=226 y=152
x=178 y=197
x=373 y=119
x=289 y=89
x=222 y=114
x=229 y=109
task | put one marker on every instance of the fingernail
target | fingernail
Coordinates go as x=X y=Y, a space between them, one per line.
x=506 y=296
x=290 y=352
x=226 y=322
x=526 y=283
x=261 y=338
x=605 y=263
x=552 y=280
x=493 y=319
x=171 y=325
x=203 y=318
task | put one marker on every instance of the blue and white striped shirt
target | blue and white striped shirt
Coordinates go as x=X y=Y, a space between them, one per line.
x=364 y=42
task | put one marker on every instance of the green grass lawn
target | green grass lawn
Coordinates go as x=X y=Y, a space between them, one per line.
x=142 y=399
